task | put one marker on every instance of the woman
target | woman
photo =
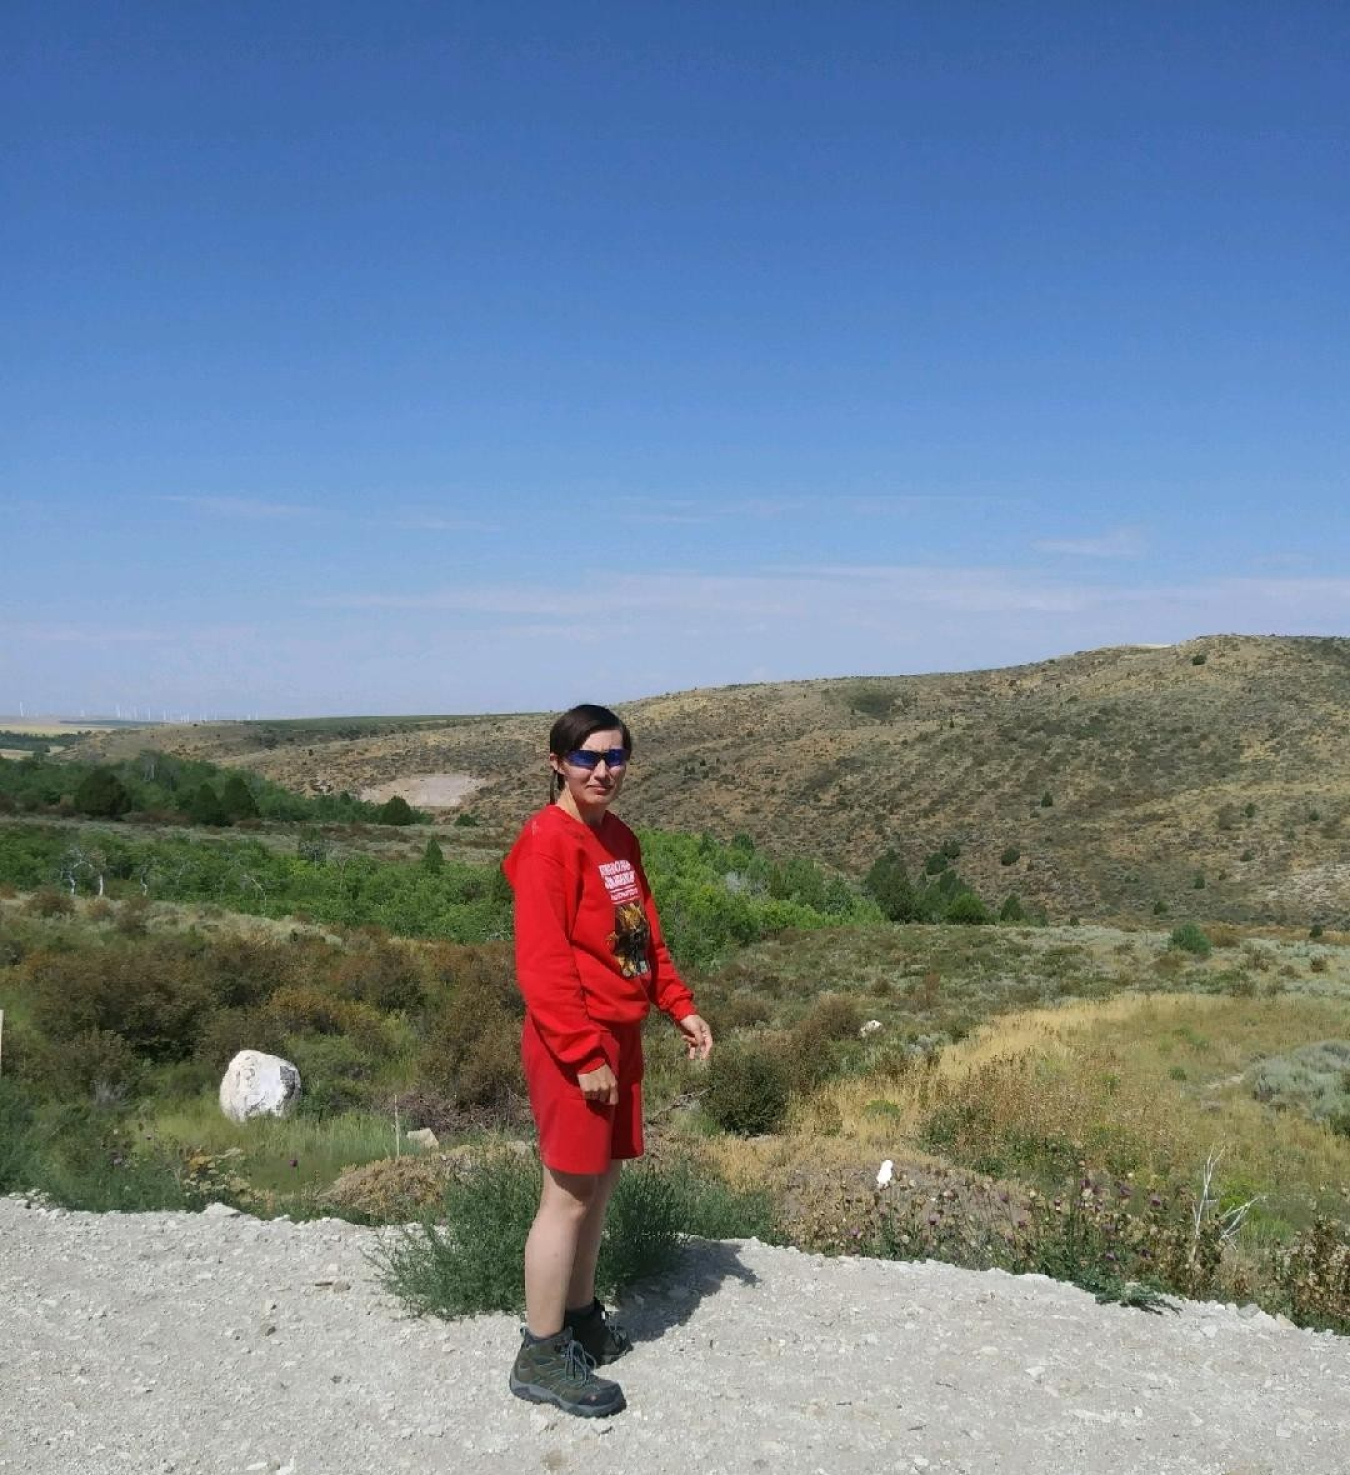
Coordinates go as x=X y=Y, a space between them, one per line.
x=590 y=961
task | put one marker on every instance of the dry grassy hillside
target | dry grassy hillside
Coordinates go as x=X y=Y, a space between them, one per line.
x=1213 y=776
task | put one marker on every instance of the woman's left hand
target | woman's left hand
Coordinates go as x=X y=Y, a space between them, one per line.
x=698 y=1038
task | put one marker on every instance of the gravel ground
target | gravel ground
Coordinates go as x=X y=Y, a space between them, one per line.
x=219 y=1343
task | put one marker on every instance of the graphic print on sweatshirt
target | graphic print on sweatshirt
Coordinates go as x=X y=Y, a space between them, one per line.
x=628 y=942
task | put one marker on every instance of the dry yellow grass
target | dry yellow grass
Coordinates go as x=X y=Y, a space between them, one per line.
x=1153 y=1082
x=1159 y=1076
x=46 y=729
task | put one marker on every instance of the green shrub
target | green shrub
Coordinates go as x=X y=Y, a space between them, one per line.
x=747 y=1090
x=101 y=794
x=383 y=975
x=888 y=883
x=47 y=901
x=1313 y=1078
x=154 y=994
x=228 y=1031
x=85 y=1158
x=809 y=1056
x=1189 y=937
x=100 y=1065
x=1012 y=909
x=1313 y=1275
x=642 y=1229
x=13 y=947
x=16 y=1121
x=709 y=1208
x=335 y=1074
x=133 y=917
x=967 y=909
x=473 y=1262
x=237 y=799
x=204 y=807
x=471 y=1049
x=741 y=1011
x=831 y=1017
x=395 y=811
x=433 y=857
x=1010 y=856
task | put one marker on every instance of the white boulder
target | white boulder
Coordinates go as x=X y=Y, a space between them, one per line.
x=872 y=1027
x=424 y=1137
x=256 y=1084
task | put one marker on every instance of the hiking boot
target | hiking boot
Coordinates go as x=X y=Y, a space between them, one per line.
x=604 y=1340
x=559 y=1371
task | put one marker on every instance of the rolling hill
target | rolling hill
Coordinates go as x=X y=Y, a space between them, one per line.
x=1212 y=777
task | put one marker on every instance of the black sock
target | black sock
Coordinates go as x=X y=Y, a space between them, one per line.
x=533 y=1341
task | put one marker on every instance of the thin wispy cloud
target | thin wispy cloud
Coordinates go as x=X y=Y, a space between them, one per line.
x=38 y=633
x=863 y=596
x=250 y=509
x=668 y=511
x=654 y=511
x=432 y=522
x=1120 y=543
x=824 y=592
x=668 y=515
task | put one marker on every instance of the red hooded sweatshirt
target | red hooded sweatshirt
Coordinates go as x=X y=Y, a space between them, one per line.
x=589 y=950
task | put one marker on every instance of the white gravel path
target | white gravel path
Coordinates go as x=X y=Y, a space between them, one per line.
x=179 y=1343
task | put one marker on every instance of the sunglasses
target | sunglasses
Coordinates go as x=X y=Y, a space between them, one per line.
x=590 y=758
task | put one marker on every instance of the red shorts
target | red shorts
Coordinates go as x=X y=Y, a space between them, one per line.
x=576 y=1135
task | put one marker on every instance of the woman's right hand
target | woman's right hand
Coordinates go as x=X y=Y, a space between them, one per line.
x=599 y=1085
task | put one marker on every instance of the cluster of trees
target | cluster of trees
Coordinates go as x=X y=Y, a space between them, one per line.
x=712 y=897
x=938 y=894
x=160 y=784
x=466 y=903
x=37 y=742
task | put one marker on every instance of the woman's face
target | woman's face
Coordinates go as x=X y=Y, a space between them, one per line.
x=592 y=789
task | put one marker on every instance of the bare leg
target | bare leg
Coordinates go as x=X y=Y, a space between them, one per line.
x=551 y=1249
x=581 y=1286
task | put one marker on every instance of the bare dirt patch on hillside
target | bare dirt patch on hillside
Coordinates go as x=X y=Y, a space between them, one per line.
x=425 y=790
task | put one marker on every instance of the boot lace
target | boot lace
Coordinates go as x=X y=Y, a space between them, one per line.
x=578 y=1364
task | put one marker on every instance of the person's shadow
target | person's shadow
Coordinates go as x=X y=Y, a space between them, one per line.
x=650 y=1308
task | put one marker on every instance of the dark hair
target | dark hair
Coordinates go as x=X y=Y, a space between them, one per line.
x=572 y=729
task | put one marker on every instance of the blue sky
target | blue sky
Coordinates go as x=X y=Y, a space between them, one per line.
x=462 y=357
